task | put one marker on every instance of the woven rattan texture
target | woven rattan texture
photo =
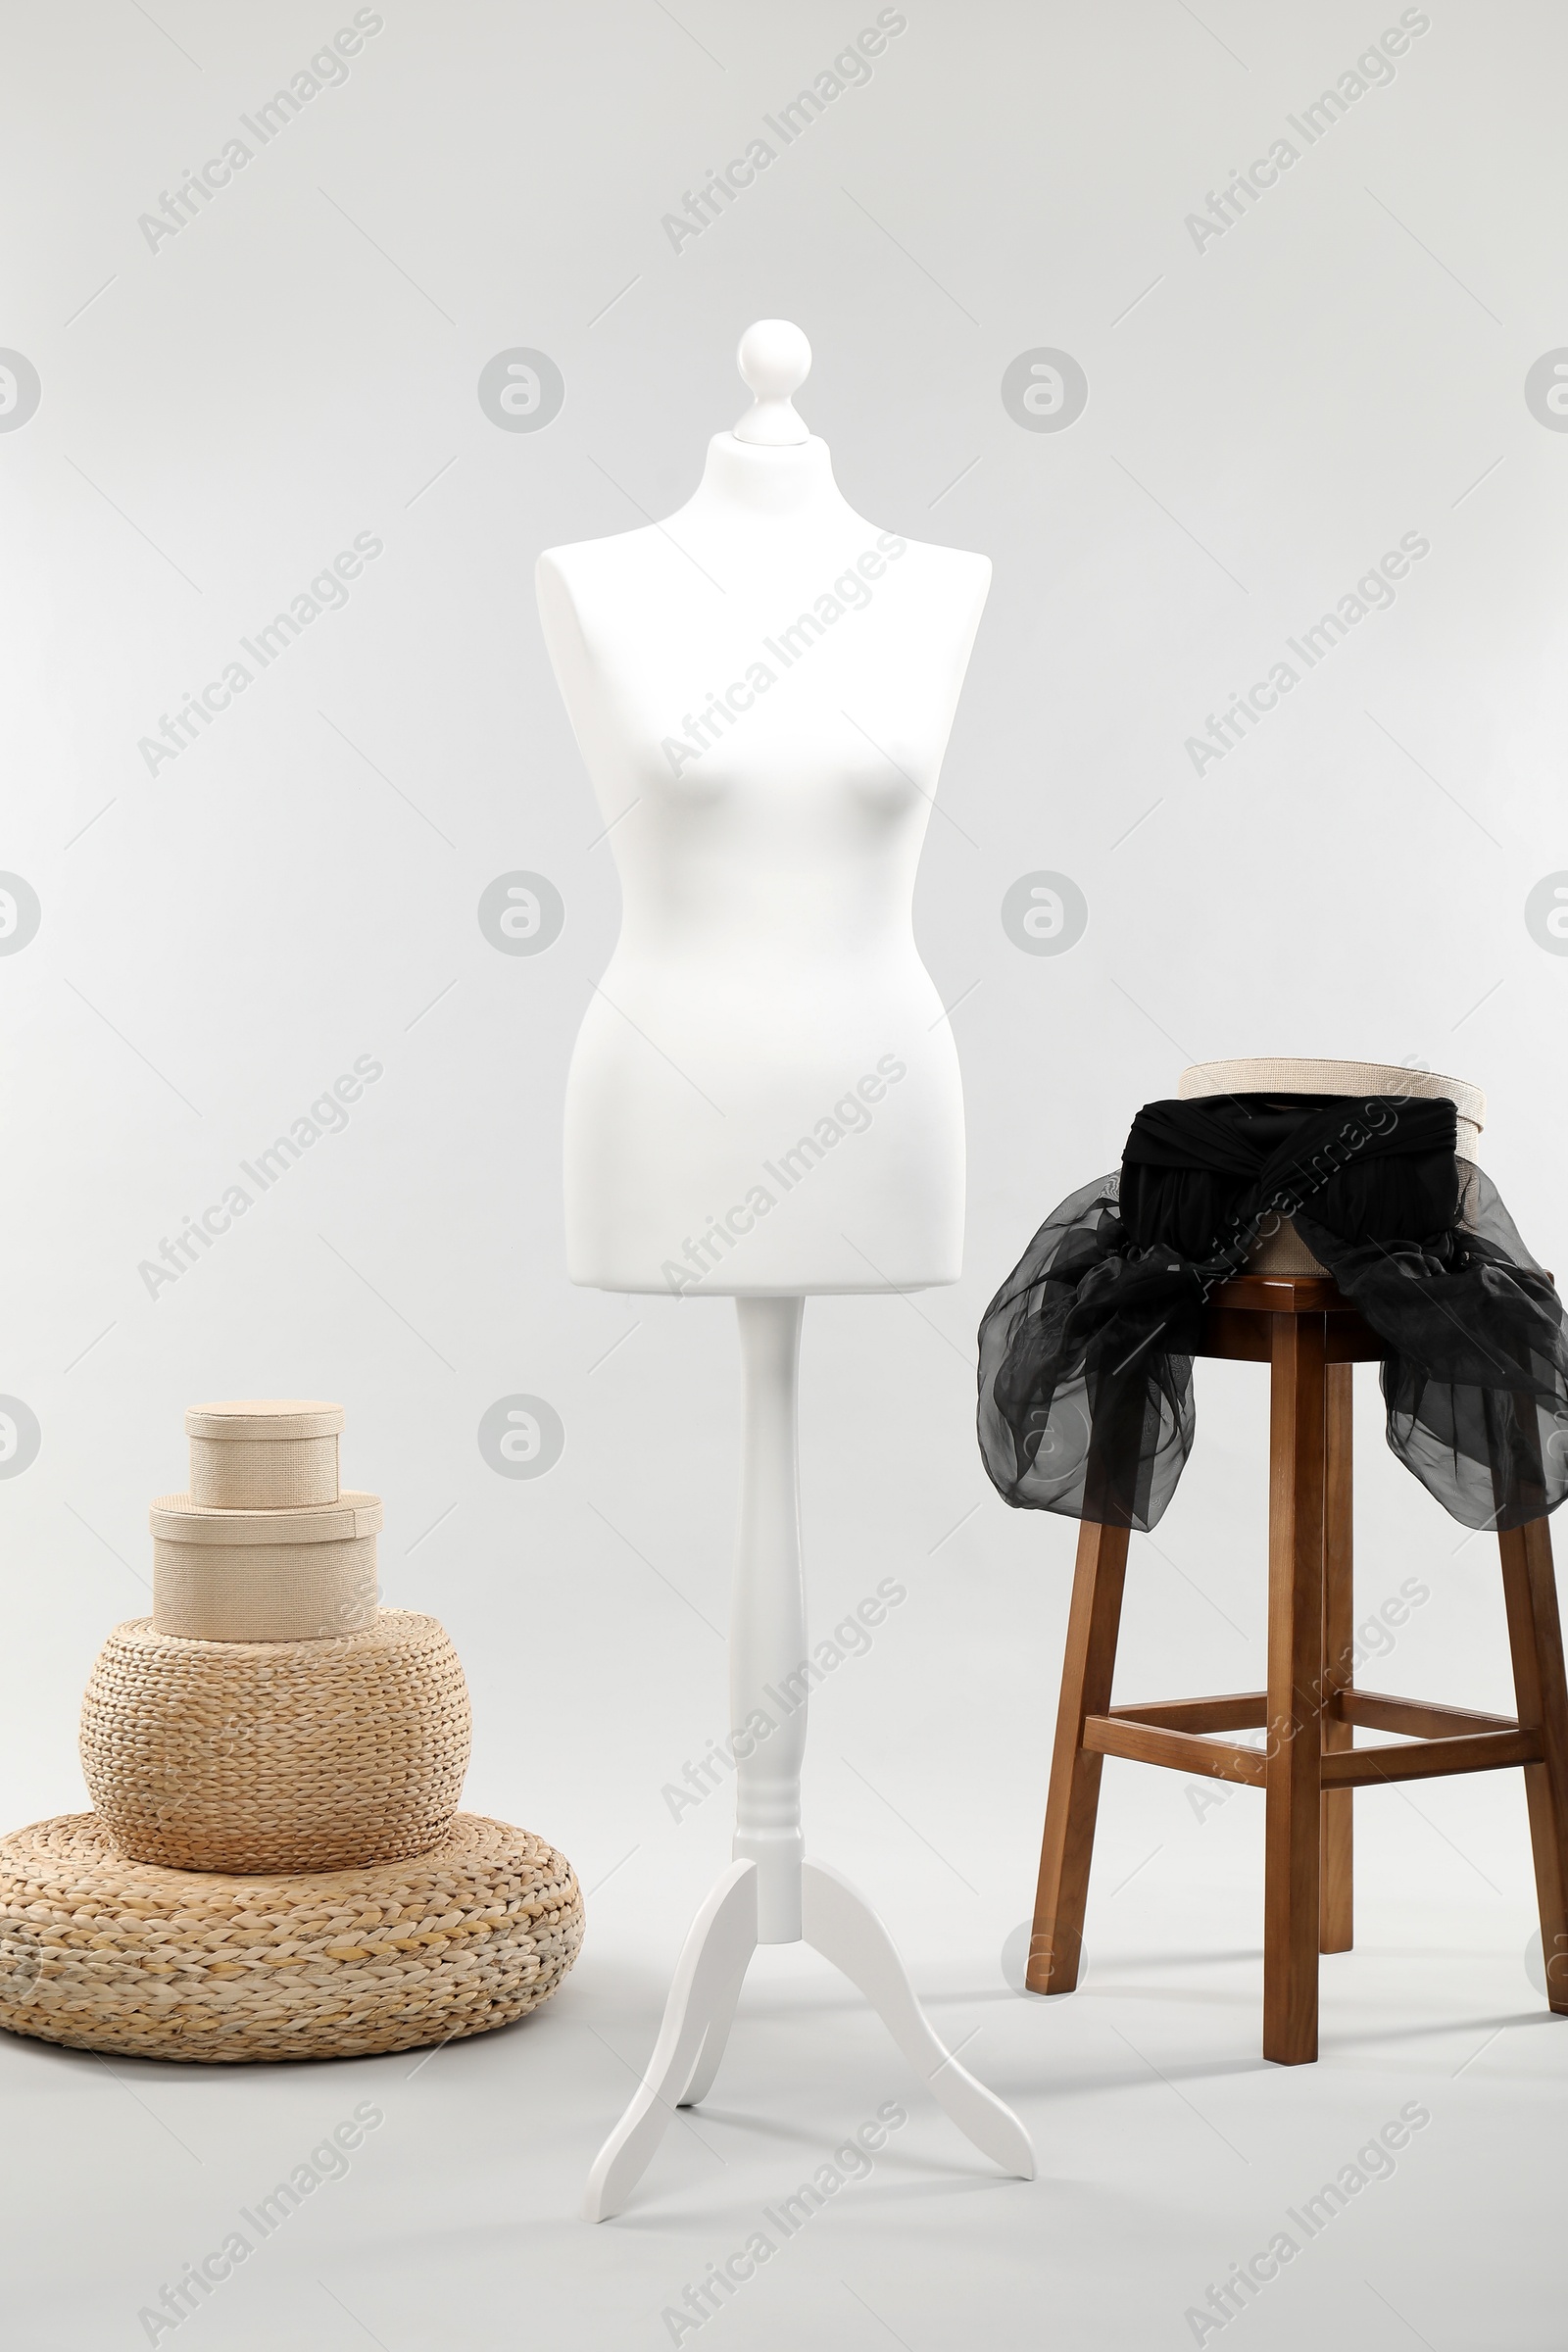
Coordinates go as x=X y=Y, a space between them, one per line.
x=268 y=1757
x=104 y=1954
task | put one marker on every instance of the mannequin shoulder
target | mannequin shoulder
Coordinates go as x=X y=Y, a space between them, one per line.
x=572 y=579
x=955 y=572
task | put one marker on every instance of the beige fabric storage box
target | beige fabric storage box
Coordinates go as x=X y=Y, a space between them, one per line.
x=263 y=1455
x=265 y=1576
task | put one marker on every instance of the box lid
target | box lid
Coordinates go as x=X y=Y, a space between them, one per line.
x=253 y=1418
x=1273 y=1075
x=178 y=1520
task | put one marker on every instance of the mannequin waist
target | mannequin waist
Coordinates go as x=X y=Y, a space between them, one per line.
x=733 y=979
x=802 y=958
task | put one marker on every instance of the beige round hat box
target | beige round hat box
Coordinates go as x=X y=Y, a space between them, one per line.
x=295 y=1575
x=260 y=1456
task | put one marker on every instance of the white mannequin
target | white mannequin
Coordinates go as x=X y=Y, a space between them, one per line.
x=765 y=1098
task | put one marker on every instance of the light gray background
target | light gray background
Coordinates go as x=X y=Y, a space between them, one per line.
x=300 y=887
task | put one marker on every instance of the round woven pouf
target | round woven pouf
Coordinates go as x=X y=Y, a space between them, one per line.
x=276 y=1755
x=103 y=1953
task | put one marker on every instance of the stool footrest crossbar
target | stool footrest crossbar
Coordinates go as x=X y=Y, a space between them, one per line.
x=1441 y=1738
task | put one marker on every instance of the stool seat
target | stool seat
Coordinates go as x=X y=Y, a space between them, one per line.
x=1311 y=1338
x=1236 y=1318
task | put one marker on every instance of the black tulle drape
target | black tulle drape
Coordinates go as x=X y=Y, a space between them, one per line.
x=1086 y=1351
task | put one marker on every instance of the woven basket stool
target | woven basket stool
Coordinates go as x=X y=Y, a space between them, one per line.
x=276 y=1755
x=1288 y=1314
x=103 y=1953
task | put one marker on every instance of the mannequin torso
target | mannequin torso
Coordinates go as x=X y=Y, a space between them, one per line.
x=764 y=1097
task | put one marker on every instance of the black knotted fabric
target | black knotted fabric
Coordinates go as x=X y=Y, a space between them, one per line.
x=1086 y=1351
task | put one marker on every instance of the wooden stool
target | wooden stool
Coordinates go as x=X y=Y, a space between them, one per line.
x=1309 y=1337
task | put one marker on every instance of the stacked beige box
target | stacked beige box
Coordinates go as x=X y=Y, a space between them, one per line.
x=277 y=1866
x=265 y=1547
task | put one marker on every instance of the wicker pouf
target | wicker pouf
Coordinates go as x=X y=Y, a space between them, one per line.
x=104 y=1954
x=271 y=1756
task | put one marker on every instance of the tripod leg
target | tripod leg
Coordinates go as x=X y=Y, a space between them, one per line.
x=720 y=1940
x=711 y=2057
x=841 y=1925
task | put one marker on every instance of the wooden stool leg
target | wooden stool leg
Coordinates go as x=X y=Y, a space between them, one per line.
x=1335 y=1927
x=1293 y=1796
x=1093 y=1623
x=1535 y=1636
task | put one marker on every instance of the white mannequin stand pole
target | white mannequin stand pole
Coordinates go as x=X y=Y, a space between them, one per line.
x=770 y=1894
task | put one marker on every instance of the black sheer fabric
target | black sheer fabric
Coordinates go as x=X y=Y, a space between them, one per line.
x=1086 y=1351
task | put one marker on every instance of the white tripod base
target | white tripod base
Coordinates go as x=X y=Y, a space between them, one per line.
x=841 y=1925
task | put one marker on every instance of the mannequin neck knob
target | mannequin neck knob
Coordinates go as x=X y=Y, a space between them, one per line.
x=774 y=359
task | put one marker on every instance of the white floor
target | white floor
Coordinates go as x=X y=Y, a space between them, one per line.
x=1168 y=2151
